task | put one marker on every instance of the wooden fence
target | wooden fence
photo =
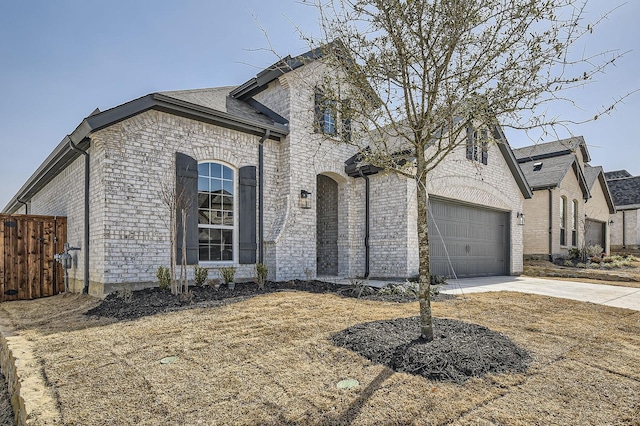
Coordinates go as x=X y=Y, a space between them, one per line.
x=27 y=246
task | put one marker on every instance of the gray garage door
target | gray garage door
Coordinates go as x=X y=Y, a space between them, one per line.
x=468 y=240
x=594 y=233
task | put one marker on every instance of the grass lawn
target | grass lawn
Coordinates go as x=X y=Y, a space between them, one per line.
x=268 y=360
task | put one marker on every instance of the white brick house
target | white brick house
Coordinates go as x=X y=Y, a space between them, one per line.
x=246 y=155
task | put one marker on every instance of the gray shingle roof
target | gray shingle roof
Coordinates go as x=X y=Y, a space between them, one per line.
x=625 y=191
x=591 y=174
x=617 y=174
x=547 y=149
x=550 y=174
x=218 y=98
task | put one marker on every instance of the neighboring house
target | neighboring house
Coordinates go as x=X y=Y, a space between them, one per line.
x=264 y=185
x=571 y=202
x=625 y=229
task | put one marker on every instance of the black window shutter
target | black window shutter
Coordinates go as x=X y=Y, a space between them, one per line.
x=485 y=147
x=187 y=195
x=470 y=143
x=247 y=214
x=319 y=106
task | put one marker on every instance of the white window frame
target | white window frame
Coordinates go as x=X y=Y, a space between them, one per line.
x=233 y=227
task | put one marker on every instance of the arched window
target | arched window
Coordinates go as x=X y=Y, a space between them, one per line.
x=215 y=212
x=574 y=223
x=563 y=221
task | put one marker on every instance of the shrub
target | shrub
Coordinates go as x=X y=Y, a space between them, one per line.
x=594 y=250
x=580 y=265
x=575 y=253
x=200 y=275
x=568 y=262
x=261 y=274
x=164 y=277
x=228 y=273
x=595 y=259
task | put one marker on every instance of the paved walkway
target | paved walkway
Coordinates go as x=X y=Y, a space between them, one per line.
x=620 y=297
x=610 y=295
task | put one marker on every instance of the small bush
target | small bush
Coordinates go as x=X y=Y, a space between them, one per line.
x=261 y=274
x=595 y=259
x=164 y=277
x=575 y=253
x=594 y=250
x=200 y=275
x=580 y=265
x=567 y=262
x=608 y=259
x=228 y=273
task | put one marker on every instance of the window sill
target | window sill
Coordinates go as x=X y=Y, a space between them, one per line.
x=216 y=264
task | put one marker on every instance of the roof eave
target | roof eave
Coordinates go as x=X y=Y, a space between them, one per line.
x=512 y=163
x=63 y=155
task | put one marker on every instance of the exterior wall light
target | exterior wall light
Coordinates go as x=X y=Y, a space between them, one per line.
x=305 y=199
x=520 y=217
x=611 y=222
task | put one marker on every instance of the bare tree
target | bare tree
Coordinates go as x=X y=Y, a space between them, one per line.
x=412 y=80
x=178 y=204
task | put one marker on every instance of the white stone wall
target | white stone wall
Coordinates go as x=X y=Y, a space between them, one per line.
x=138 y=160
x=630 y=239
x=291 y=242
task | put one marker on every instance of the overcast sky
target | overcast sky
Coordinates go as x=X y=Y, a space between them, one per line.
x=62 y=59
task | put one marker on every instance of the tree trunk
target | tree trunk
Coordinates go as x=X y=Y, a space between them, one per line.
x=173 y=237
x=424 y=289
x=183 y=270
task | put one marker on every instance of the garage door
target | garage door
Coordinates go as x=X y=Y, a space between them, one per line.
x=468 y=240
x=594 y=233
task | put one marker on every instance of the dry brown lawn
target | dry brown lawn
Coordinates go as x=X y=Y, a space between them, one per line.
x=268 y=360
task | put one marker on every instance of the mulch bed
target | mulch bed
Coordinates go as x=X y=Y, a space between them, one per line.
x=459 y=350
x=151 y=301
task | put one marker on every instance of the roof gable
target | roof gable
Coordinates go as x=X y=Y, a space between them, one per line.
x=595 y=174
x=553 y=149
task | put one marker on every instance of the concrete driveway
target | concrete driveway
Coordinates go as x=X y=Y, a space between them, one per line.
x=620 y=297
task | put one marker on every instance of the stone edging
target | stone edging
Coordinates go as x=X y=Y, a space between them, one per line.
x=32 y=402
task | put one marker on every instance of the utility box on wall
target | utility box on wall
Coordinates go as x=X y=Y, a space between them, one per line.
x=28 y=244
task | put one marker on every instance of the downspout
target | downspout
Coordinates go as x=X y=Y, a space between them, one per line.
x=366 y=224
x=26 y=206
x=85 y=290
x=624 y=230
x=261 y=194
x=550 y=225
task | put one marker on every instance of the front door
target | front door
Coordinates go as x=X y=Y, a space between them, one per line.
x=326 y=226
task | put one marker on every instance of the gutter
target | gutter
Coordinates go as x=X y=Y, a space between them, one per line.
x=26 y=206
x=550 y=225
x=73 y=147
x=624 y=229
x=267 y=132
x=366 y=224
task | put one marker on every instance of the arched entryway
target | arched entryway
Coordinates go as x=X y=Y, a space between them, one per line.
x=326 y=226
